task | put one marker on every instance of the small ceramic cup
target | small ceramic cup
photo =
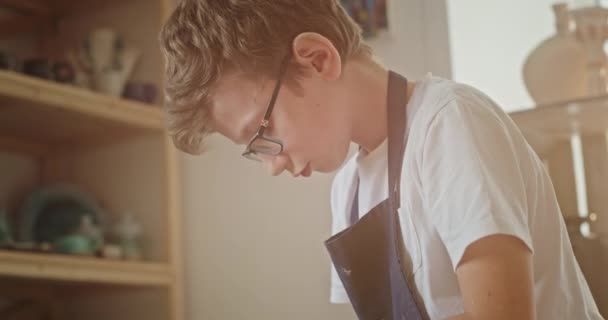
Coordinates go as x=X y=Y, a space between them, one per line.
x=110 y=82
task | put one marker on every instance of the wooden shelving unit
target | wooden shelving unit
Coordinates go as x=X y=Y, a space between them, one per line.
x=81 y=269
x=571 y=138
x=547 y=125
x=549 y=129
x=117 y=150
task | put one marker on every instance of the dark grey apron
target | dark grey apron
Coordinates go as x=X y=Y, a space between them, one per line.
x=367 y=255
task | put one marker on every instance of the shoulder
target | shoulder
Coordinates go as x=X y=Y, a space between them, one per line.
x=444 y=107
x=441 y=97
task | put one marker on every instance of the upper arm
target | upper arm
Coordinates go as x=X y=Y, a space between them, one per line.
x=496 y=279
x=475 y=193
x=472 y=183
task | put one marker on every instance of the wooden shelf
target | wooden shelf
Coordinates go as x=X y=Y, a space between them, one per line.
x=82 y=269
x=118 y=150
x=49 y=114
x=546 y=125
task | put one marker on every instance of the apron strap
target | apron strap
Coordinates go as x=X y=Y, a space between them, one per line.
x=397 y=124
x=354 y=209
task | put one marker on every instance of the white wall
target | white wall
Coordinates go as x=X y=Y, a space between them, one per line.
x=254 y=244
x=490 y=41
x=417 y=39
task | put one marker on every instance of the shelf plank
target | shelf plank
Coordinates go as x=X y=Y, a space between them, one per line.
x=82 y=269
x=586 y=116
x=46 y=113
x=70 y=98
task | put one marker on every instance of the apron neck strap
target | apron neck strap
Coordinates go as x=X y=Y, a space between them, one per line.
x=397 y=123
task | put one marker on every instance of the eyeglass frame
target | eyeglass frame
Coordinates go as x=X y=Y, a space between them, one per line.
x=249 y=153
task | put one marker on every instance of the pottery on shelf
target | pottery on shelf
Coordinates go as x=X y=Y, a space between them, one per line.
x=63 y=72
x=75 y=244
x=128 y=231
x=60 y=71
x=109 y=82
x=86 y=240
x=101 y=47
x=38 y=67
x=108 y=61
x=591 y=31
x=53 y=211
x=82 y=76
x=556 y=70
x=111 y=251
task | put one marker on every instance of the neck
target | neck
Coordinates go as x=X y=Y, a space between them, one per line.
x=369 y=87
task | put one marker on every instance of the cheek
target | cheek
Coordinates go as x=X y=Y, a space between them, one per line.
x=336 y=151
x=327 y=143
x=312 y=131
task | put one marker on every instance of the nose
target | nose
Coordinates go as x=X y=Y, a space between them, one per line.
x=275 y=164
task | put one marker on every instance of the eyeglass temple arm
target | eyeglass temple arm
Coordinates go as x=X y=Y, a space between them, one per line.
x=275 y=93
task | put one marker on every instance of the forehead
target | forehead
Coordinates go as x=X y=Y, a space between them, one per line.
x=238 y=105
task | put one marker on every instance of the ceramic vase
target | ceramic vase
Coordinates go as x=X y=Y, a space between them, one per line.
x=102 y=45
x=591 y=31
x=109 y=61
x=113 y=81
x=556 y=70
x=129 y=232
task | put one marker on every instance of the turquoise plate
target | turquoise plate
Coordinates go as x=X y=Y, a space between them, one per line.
x=52 y=212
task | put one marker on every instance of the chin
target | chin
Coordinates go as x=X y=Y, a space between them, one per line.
x=332 y=164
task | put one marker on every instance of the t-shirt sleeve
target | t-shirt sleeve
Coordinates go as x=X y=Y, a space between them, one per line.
x=471 y=179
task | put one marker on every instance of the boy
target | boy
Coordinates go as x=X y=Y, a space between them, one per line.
x=470 y=229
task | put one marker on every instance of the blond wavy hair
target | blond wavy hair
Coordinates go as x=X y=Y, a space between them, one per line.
x=203 y=39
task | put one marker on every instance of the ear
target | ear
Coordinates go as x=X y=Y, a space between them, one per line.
x=315 y=53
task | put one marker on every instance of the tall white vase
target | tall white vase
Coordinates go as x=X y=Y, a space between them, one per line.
x=592 y=32
x=556 y=70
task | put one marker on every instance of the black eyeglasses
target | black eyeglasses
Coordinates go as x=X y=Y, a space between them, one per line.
x=261 y=144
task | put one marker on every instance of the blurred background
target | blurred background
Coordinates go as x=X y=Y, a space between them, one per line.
x=101 y=218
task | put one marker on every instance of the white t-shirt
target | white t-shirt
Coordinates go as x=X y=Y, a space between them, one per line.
x=467 y=173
